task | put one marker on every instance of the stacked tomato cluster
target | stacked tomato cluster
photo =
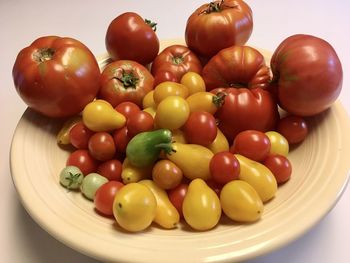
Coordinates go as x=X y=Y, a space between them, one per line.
x=188 y=132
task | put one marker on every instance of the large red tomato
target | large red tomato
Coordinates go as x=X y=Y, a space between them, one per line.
x=237 y=66
x=56 y=76
x=218 y=25
x=176 y=60
x=307 y=73
x=131 y=37
x=246 y=109
x=125 y=80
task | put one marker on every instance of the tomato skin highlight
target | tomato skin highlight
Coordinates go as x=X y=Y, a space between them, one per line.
x=111 y=169
x=101 y=146
x=45 y=76
x=177 y=196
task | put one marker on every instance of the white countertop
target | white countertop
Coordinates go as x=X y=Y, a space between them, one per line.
x=21 y=22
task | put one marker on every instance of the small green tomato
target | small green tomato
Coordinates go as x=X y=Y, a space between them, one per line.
x=91 y=183
x=71 y=177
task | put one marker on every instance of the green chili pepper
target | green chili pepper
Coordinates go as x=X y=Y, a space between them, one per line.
x=144 y=148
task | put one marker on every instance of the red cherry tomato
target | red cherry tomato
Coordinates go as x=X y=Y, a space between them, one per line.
x=177 y=195
x=280 y=166
x=121 y=139
x=164 y=75
x=101 y=146
x=139 y=122
x=104 y=197
x=111 y=169
x=79 y=135
x=200 y=128
x=252 y=144
x=293 y=128
x=83 y=160
x=127 y=108
x=224 y=167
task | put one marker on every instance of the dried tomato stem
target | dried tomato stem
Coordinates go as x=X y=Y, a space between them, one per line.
x=153 y=25
x=128 y=79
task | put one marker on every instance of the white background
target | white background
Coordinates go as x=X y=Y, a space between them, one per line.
x=21 y=22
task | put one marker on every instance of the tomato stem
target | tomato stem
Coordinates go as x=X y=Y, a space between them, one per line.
x=216 y=6
x=166 y=147
x=128 y=79
x=153 y=25
x=43 y=54
x=219 y=99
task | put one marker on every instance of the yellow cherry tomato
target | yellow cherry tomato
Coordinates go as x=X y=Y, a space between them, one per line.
x=178 y=136
x=99 y=115
x=220 y=143
x=148 y=100
x=240 y=201
x=172 y=113
x=193 y=81
x=166 y=214
x=258 y=176
x=192 y=159
x=279 y=144
x=169 y=88
x=134 y=207
x=132 y=174
x=201 y=206
x=205 y=101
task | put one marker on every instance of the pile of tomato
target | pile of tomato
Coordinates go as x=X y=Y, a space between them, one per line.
x=188 y=133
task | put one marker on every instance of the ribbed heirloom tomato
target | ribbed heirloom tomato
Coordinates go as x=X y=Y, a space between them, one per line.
x=218 y=25
x=125 y=80
x=56 y=76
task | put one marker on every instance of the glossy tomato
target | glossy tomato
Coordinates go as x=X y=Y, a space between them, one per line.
x=293 y=128
x=218 y=25
x=121 y=139
x=79 y=135
x=237 y=66
x=246 y=109
x=280 y=166
x=101 y=146
x=127 y=108
x=308 y=74
x=83 y=160
x=166 y=174
x=139 y=122
x=177 y=196
x=125 y=80
x=164 y=75
x=104 y=197
x=56 y=76
x=111 y=169
x=254 y=145
x=176 y=59
x=224 y=167
x=131 y=37
x=200 y=128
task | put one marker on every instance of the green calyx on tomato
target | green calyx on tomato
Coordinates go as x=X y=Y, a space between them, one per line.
x=177 y=60
x=144 y=148
x=219 y=99
x=153 y=25
x=216 y=6
x=128 y=79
